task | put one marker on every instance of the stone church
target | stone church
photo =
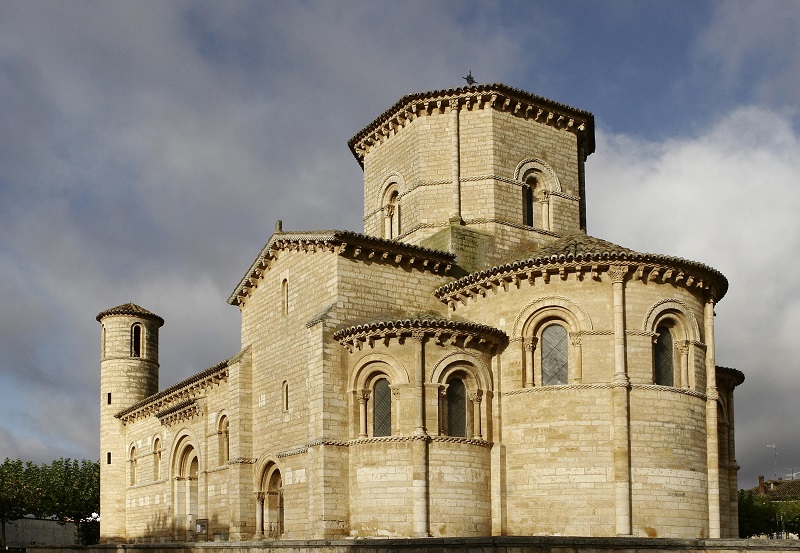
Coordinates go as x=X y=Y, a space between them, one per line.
x=472 y=364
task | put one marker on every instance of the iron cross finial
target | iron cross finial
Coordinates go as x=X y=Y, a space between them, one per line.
x=470 y=79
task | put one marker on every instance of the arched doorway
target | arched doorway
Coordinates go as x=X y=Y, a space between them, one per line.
x=186 y=493
x=269 y=506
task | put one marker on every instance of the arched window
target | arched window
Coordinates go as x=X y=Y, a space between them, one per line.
x=133 y=466
x=285 y=395
x=381 y=408
x=224 y=440
x=391 y=213
x=663 y=359
x=156 y=459
x=554 y=347
x=285 y=297
x=136 y=340
x=456 y=407
x=527 y=204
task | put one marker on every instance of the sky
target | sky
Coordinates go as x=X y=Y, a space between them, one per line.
x=148 y=147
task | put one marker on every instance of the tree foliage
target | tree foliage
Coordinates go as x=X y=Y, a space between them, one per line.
x=759 y=516
x=65 y=490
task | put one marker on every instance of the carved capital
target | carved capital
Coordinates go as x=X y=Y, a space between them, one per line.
x=617 y=273
x=418 y=335
x=575 y=338
x=363 y=397
x=683 y=348
x=259 y=496
x=476 y=396
x=531 y=344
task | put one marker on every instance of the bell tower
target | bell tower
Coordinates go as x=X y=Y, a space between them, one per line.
x=128 y=374
x=485 y=171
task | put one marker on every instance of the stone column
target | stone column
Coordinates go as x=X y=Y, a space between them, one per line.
x=419 y=477
x=620 y=391
x=733 y=468
x=455 y=212
x=545 y=201
x=363 y=398
x=712 y=438
x=575 y=338
x=475 y=398
x=683 y=350
x=259 y=516
x=531 y=357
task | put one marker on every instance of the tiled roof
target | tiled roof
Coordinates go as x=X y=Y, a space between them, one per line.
x=133 y=310
x=357 y=241
x=477 y=89
x=420 y=322
x=582 y=248
x=786 y=490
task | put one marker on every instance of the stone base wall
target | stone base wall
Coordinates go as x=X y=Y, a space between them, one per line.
x=446 y=545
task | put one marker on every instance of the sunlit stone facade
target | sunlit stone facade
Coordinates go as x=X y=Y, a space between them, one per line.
x=472 y=364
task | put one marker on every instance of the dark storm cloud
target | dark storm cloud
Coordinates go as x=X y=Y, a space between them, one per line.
x=149 y=147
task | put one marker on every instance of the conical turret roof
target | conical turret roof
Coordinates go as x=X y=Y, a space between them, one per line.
x=133 y=310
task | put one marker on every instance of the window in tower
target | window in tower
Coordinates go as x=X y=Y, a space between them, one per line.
x=664 y=366
x=136 y=340
x=527 y=205
x=391 y=213
x=285 y=297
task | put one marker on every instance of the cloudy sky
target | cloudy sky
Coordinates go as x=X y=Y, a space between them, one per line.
x=147 y=149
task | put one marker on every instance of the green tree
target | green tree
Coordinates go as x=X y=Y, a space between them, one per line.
x=73 y=494
x=19 y=494
x=757 y=515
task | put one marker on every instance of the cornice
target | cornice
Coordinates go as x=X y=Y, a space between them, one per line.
x=641 y=266
x=174 y=397
x=443 y=332
x=345 y=243
x=181 y=411
x=731 y=376
x=493 y=96
x=131 y=310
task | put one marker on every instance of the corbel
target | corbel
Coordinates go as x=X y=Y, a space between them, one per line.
x=595 y=272
x=506 y=104
x=528 y=110
x=517 y=107
x=562 y=272
x=493 y=100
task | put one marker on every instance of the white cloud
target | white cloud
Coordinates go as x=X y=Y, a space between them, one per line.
x=726 y=197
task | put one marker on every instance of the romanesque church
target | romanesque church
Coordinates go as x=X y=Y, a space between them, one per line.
x=471 y=364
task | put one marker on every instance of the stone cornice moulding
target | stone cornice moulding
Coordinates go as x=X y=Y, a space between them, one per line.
x=644 y=267
x=187 y=390
x=443 y=332
x=340 y=242
x=477 y=97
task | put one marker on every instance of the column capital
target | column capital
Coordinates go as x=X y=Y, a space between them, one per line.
x=617 y=273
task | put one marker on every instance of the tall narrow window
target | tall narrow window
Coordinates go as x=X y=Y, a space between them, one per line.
x=285 y=297
x=554 y=355
x=224 y=440
x=456 y=408
x=382 y=408
x=133 y=466
x=664 y=367
x=156 y=459
x=285 y=395
x=527 y=205
x=136 y=340
x=108 y=457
